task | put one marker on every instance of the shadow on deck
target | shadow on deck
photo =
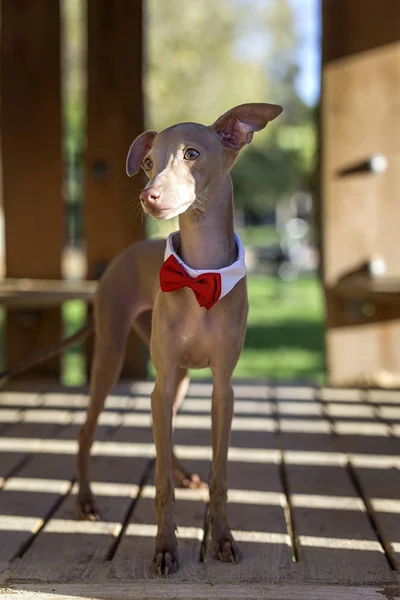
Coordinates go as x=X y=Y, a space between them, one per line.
x=314 y=497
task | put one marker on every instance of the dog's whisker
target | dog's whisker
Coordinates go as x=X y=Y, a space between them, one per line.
x=137 y=208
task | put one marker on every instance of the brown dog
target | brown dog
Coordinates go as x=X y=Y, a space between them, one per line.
x=187 y=299
x=198 y=321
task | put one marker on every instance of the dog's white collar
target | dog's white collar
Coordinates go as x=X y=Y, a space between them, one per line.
x=229 y=275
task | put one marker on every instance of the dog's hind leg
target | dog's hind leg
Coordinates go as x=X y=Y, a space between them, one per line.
x=105 y=372
x=109 y=352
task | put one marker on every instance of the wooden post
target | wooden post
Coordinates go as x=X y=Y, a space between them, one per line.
x=114 y=119
x=31 y=164
x=361 y=208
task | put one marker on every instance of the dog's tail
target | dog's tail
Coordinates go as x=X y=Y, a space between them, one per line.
x=47 y=353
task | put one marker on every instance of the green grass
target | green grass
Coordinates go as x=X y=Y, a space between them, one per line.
x=73 y=361
x=261 y=235
x=258 y=235
x=284 y=339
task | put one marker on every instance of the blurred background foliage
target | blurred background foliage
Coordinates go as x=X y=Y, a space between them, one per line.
x=203 y=58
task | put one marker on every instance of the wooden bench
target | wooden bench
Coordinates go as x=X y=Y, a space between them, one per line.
x=31 y=305
x=40 y=293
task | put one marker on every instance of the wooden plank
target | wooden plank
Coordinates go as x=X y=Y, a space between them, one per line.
x=33 y=493
x=114 y=119
x=9 y=461
x=12 y=399
x=369 y=437
x=381 y=488
x=68 y=548
x=43 y=292
x=303 y=424
x=24 y=428
x=32 y=165
x=336 y=540
x=22 y=513
x=149 y=590
x=337 y=543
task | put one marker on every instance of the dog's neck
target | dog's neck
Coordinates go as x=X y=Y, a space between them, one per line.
x=207 y=238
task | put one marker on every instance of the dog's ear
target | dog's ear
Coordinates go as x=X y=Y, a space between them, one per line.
x=138 y=151
x=236 y=127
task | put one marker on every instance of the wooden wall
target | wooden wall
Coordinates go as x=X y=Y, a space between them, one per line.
x=361 y=210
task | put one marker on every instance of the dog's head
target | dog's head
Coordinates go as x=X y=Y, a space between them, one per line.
x=186 y=163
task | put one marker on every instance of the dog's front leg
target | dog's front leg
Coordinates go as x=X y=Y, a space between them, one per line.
x=165 y=559
x=224 y=546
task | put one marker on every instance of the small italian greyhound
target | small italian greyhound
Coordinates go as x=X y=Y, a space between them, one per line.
x=187 y=299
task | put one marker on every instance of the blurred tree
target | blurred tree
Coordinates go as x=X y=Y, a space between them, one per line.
x=73 y=53
x=194 y=69
x=203 y=58
x=282 y=47
x=281 y=160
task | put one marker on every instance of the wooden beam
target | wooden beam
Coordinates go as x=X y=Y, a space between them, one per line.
x=352 y=26
x=31 y=163
x=114 y=119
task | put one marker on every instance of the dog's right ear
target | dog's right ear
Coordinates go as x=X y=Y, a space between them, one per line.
x=138 y=151
x=236 y=127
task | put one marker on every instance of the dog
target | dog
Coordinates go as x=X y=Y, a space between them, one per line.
x=186 y=297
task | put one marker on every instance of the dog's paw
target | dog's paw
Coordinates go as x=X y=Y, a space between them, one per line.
x=86 y=509
x=190 y=481
x=164 y=562
x=226 y=550
x=184 y=479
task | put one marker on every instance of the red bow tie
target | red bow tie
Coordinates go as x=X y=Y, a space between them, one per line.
x=206 y=287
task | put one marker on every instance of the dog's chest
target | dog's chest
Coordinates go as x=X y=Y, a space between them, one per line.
x=195 y=338
x=199 y=334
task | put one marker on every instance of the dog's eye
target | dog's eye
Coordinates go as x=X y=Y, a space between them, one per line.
x=191 y=154
x=147 y=164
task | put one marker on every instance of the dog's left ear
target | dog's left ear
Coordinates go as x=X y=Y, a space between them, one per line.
x=236 y=127
x=138 y=150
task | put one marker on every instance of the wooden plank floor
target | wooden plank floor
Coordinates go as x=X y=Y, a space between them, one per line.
x=314 y=497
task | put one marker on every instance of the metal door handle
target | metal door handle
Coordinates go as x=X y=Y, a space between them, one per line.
x=377 y=163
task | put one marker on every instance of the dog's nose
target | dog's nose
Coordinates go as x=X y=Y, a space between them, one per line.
x=151 y=195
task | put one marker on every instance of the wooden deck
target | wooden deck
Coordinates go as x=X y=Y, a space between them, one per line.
x=314 y=496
